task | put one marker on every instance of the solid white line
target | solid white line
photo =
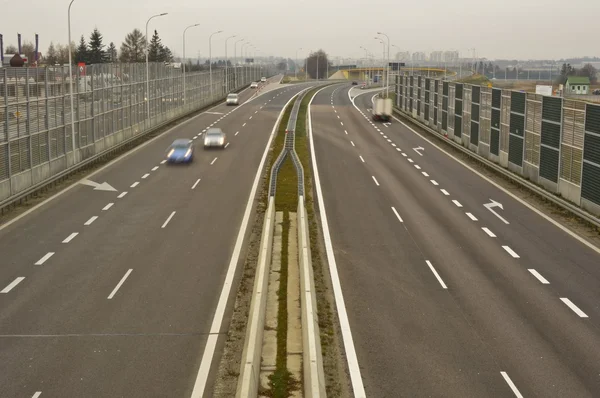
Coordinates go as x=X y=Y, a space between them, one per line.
x=471 y=216
x=214 y=160
x=145 y=176
x=37 y=394
x=361 y=158
x=410 y=160
x=12 y=284
x=511 y=251
x=70 y=237
x=236 y=133
x=397 y=215
x=457 y=203
x=226 y=145
x=108 y=206
x=352 y=142
x=168 y=219
x=487 y=231
x=375 y=179
x=436 y=274
x=45 y=258
x=122 y=194
x=434 y=182
x=91 y=220
x=425 y=174
x=215 y=329
x=445 y=192
x=243 y=124
x=163 y=162
x=511 y=385
x=135 y=184
x=573 y=307
x=112 y=294
x=196 y=183
x=155 y=168
x=539 y=276
x=353 y=367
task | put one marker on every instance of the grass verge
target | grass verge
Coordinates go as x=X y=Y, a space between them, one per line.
x=330 y=342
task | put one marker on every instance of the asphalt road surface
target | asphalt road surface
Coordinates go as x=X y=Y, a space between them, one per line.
x=443 y=296
x=114 y=293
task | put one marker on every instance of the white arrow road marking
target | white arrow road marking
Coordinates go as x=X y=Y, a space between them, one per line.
x=387 y=124
x=417 y=149
x=492 y=204
x=98 y=187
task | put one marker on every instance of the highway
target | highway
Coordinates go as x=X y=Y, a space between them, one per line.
x=442 y=295
x=127 y=293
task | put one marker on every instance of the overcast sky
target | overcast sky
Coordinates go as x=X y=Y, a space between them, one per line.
x=523 y=29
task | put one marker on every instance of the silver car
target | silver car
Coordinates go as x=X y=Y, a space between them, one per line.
x=215 y=138
x=233 y=99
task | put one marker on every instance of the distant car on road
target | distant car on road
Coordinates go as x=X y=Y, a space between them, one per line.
x=181 y=151
x=263 y=79
x=233 y=99
x=254 y=85
x=355 y=83
x=215 y=138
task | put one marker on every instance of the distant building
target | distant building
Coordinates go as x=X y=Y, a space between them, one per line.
x=436 y=56
x=577 y=85
x=418 y=57
x=403 y=56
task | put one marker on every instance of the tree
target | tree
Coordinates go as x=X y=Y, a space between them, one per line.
x=51 y=55
x=134 y=47
x=111 y=53
x=96 y=53
x=155 y=49
x=63 y=53
x=588 y=70
x=165 y=54
x=29 y=50
x=319 y=57
x=281 y=66
x=81 y=53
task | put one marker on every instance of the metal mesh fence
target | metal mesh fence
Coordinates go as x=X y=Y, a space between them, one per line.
x=111 y=103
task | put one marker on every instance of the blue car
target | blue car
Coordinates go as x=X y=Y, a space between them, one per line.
x=181 y=151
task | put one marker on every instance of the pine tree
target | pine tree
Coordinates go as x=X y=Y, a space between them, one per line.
x=112 y=53
x=51 y=54
x=133 y=48
x=166 y=55
x=81 y=53
x=96 y=53
x=155 y=50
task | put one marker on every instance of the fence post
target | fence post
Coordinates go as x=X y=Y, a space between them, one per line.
x=28 y=121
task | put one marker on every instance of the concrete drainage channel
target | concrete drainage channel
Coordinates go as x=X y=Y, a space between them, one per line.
x=282 y=323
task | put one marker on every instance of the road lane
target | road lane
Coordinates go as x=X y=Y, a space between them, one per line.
x=570 y=266
x=165 y=304
x=517 y=320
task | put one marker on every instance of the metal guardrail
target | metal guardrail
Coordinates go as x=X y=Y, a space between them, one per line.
x=289 y=148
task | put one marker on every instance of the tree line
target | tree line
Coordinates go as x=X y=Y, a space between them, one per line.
x=587 y=70
x=94 y=51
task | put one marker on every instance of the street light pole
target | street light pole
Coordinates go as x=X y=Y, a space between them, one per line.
x=210 y=62
x=184 y=60
x=296 y=65
x=71 y=84
x=226 y=61
x=244 y=56
x=236 y=60
x=388 y=63
x=147 y=67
